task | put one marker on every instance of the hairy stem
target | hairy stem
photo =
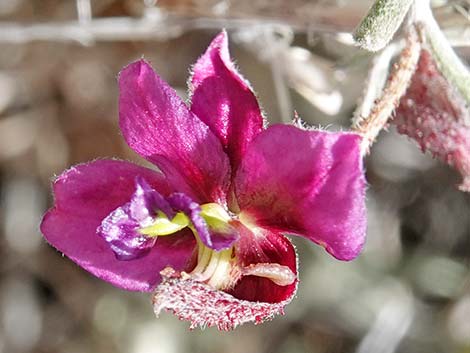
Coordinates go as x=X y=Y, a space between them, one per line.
x=370 y=126
x=376 y=79
x=380 y=24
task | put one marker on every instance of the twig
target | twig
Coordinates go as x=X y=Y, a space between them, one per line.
x=83 y=11
x=160 y=24
x=396 y=86
x=376 y=79
x=163 y=26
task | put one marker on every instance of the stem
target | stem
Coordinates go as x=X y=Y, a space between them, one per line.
x=376 y=79
x=380 y=24
x=448 y=62
x=395 y=88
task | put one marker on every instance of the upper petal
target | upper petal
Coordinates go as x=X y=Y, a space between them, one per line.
x=309 y=183
x=224 y=100
x=84 y=196
x=157 y=124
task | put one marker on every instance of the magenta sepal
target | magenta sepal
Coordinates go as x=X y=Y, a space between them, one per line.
x=437 y=117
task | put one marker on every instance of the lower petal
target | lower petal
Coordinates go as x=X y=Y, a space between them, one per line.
x=204 y=306
x=84 y=196
x=264 y=276
x=263 y=247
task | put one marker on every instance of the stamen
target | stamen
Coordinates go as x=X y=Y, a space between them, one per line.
x=203 y=257
x=279 y=274
x=203 y=254
x=219 y=277
x=219 y=269
x=213 y=267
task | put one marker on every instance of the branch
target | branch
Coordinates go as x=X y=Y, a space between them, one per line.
x=167 y=22
x=395 y=88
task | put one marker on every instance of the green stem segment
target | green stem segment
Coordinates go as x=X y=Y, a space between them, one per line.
x=380 y=24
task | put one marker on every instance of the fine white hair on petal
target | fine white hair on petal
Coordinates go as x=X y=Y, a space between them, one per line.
x=203 y=306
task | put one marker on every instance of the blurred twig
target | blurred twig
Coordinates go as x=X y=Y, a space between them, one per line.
x=370 y=126
x=165 y=23
x=376 y=80
x=83 y=11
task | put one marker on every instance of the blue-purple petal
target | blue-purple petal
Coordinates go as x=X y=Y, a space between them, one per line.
x=121 y=227
x=211 y=238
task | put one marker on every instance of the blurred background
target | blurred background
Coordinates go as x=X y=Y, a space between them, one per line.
x=408 y=292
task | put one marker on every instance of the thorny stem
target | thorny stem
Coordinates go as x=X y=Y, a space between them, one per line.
x=370 y=126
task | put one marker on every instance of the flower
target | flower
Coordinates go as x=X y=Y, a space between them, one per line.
x=436 y=116
x=206 y=234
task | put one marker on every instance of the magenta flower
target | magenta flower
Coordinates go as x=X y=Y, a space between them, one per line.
x=206 y=234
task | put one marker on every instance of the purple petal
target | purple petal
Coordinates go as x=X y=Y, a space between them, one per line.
x=222 y=238
x=204 y=306
x=224 y=100
x=210 y=238
x=309 y=183
x=121 y=227
x=147 y=201
x=121 y=232
x=159 y=126
x=84 y=196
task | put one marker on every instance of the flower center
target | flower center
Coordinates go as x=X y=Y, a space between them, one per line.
x=217 y=268
x=213 y=267
x=163 y=226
